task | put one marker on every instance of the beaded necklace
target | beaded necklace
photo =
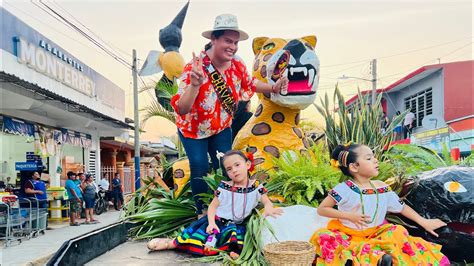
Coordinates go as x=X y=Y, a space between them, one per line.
x=376 y=203
x=235 y=217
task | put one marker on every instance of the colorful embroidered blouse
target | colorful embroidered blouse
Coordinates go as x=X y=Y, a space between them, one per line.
x=207 y=116
x=347 y=196
x=250 y=195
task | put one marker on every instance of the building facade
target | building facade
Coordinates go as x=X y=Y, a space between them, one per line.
x=53 y=106
x=441 y=97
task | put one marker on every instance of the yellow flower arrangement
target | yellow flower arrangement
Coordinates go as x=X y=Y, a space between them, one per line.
x=335 y=164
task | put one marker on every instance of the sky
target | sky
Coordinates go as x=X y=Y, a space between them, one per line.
x=401 y=35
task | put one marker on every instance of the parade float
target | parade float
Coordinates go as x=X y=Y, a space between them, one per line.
x=305 y=178
x=297 y=171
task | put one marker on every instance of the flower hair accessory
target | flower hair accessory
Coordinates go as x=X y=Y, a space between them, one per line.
x=249 y=156
x=335 y=164
x=219 y=155
x=347 y=144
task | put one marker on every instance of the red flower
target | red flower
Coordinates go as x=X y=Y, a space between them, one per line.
x=365 y=249
x=252 y=163
x=341 y=241
x=328 y=244
x=408 y=249
x=420 y=246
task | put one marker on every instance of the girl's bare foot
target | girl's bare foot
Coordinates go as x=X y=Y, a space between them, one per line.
x=160 y=244
x=234 y=255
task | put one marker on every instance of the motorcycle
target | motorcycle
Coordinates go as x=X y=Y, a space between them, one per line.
x=101 y=203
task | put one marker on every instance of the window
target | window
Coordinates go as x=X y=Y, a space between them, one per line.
x=92 y=160
x=421 y=104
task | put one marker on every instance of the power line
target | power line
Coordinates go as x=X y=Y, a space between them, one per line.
x=65 y=21
x=365 y=62
x=457 y=49
x=461 y=55
x=421 y=49
x=98 y=37
x=109 y=51
x=49 y=26
x=398 y=54
x=469 y=44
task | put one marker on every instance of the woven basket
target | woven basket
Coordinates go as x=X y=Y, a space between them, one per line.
x=289 y=253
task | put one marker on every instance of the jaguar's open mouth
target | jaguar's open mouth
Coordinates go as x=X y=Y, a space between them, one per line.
x=301 y=77
x=301 y=80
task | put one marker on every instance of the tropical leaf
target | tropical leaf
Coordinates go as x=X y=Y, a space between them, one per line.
x=468 y=161
x=155 y=109
x=165 y=89
x=412 y=159
x=303 y=178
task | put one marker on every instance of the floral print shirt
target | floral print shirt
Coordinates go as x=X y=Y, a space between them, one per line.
x=207 y=116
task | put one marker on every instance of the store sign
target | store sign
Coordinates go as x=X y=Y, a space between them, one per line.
x=433 y=139
x=26 y=166
x=51 y=62
x=32 y=157
x=57 y=52
x=29 y=48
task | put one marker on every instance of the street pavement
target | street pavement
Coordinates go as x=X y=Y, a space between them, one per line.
x=136 y=253
x=37 y=251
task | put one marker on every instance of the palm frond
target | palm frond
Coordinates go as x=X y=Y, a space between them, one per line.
x=155 y=109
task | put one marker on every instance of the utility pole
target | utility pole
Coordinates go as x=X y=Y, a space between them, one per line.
x=374 y=80
x=136 y=121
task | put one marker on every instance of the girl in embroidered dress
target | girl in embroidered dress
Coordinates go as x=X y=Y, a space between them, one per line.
x=359 y=232
x=233 y=202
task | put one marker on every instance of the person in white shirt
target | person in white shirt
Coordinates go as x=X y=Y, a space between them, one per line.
x=104 y=184
x=408 y=124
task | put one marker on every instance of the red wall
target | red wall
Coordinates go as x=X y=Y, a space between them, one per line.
x=458 y=89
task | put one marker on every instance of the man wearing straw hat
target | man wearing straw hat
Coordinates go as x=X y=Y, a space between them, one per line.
x=211 y=86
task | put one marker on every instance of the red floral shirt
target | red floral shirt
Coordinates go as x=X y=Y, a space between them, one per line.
x=207 y=116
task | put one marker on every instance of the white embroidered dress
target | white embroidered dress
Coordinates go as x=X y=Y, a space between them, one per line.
x=250 y=195
x=347 y=195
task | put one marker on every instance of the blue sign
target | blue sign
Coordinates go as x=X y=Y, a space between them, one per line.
x=26 y=166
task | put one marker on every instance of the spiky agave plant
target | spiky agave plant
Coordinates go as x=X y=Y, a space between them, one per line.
x=361 y=124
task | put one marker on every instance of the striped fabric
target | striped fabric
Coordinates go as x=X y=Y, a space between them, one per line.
x=193 y=238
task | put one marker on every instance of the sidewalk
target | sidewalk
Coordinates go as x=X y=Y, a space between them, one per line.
x=36 y=251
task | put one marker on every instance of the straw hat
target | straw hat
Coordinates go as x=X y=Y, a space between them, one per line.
x=226 y=22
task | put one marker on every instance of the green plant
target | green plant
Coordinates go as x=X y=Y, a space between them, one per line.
x=155 y=109
x=468 y=161
x=159 y=213
x=213 y=180
x=304 y=178
x=160 y=106
x=410 y=160
x=360 y=124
